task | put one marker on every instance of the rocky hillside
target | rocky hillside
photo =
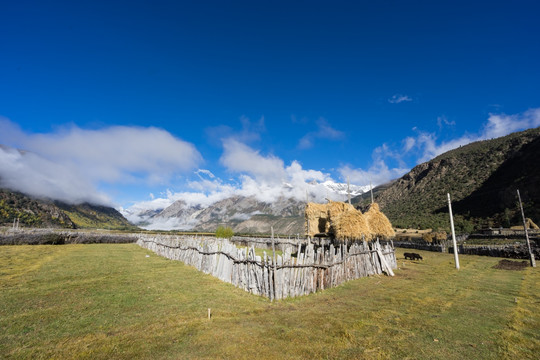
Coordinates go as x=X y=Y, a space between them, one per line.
x=46 y=213
x=482 y=178
x=243 y=214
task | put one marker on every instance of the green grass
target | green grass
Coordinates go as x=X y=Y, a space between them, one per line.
x=260 y=252
x=111 y=301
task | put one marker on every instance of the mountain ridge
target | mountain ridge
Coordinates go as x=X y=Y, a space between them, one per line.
x=244 y=214
x=482 y=178
x=36 y=212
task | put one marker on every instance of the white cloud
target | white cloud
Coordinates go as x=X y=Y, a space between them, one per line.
x=238 y=157
x=497 y=125
x=425 y=146
x=267 y=177
x=443 y=121
x=408 y=143
x=263 y=177
x=501 y=124
x=378 y=173
x=34 y=175
x=249 y=133
x=204 y=172
x=324 y=131
x=399 y=98
x=117 y=154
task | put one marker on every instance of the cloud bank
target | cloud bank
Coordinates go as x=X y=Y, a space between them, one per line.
x=81 y=159
x=34 y=175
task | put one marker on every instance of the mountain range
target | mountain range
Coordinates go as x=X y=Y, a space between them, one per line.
x=244 y=214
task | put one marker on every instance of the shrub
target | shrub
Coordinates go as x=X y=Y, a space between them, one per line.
x=224 y=232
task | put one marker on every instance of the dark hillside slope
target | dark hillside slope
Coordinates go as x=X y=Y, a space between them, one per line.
x=480 y=177
x=33 y=212
x=95 y=216
x=496 y=197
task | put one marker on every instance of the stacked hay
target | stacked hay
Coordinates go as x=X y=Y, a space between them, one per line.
x=351 y=225
x=531 y=225
x=379 y=224
x=337 y=208
x=344 y=222
x=316 y=219
x=528 y=223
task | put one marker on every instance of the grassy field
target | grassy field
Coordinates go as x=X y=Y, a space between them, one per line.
x=112 y=301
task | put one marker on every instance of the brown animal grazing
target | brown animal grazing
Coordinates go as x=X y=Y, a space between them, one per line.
x=412 y=256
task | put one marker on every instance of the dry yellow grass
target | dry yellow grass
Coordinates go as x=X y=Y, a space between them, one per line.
x=344 y=222
x=351 y=225
x=112 y=302
x=378 y=223
x=316 y=216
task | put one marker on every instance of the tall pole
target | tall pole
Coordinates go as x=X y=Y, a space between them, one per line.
x=349 y=190
x=533 y=262
x=456 y=259
x=273 y=262
x=371 y=189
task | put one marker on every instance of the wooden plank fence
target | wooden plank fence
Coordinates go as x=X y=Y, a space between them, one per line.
x=287 y=276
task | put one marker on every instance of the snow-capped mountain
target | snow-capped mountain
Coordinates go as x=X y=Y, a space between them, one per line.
x=243 y=213
x=342 y=189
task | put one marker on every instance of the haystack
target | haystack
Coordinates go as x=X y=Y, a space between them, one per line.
x=316 y=216
x=350 y=225
x=336 y=219
x=379 y=224
x=528 y=223
x=531 y=225
x=336 y=208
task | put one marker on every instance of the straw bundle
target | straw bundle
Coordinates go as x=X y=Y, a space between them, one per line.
x=531 y=224
x=344 y=222
x=378 y=222
x=337 y=208
x=351 y=225
x=316 y=216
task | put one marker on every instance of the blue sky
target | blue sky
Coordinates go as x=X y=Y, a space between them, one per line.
x=126 y=101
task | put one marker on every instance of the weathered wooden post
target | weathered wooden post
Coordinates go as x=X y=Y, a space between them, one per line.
x=273 y=261
x=349 y=190
x=453 y=232
x=533 y=262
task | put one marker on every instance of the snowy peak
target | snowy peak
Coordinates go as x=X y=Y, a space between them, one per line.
x=342 y=189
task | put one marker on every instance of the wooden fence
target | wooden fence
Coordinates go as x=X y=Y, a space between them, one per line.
x=277 y=276
x=505 y=251
x=437 y=247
